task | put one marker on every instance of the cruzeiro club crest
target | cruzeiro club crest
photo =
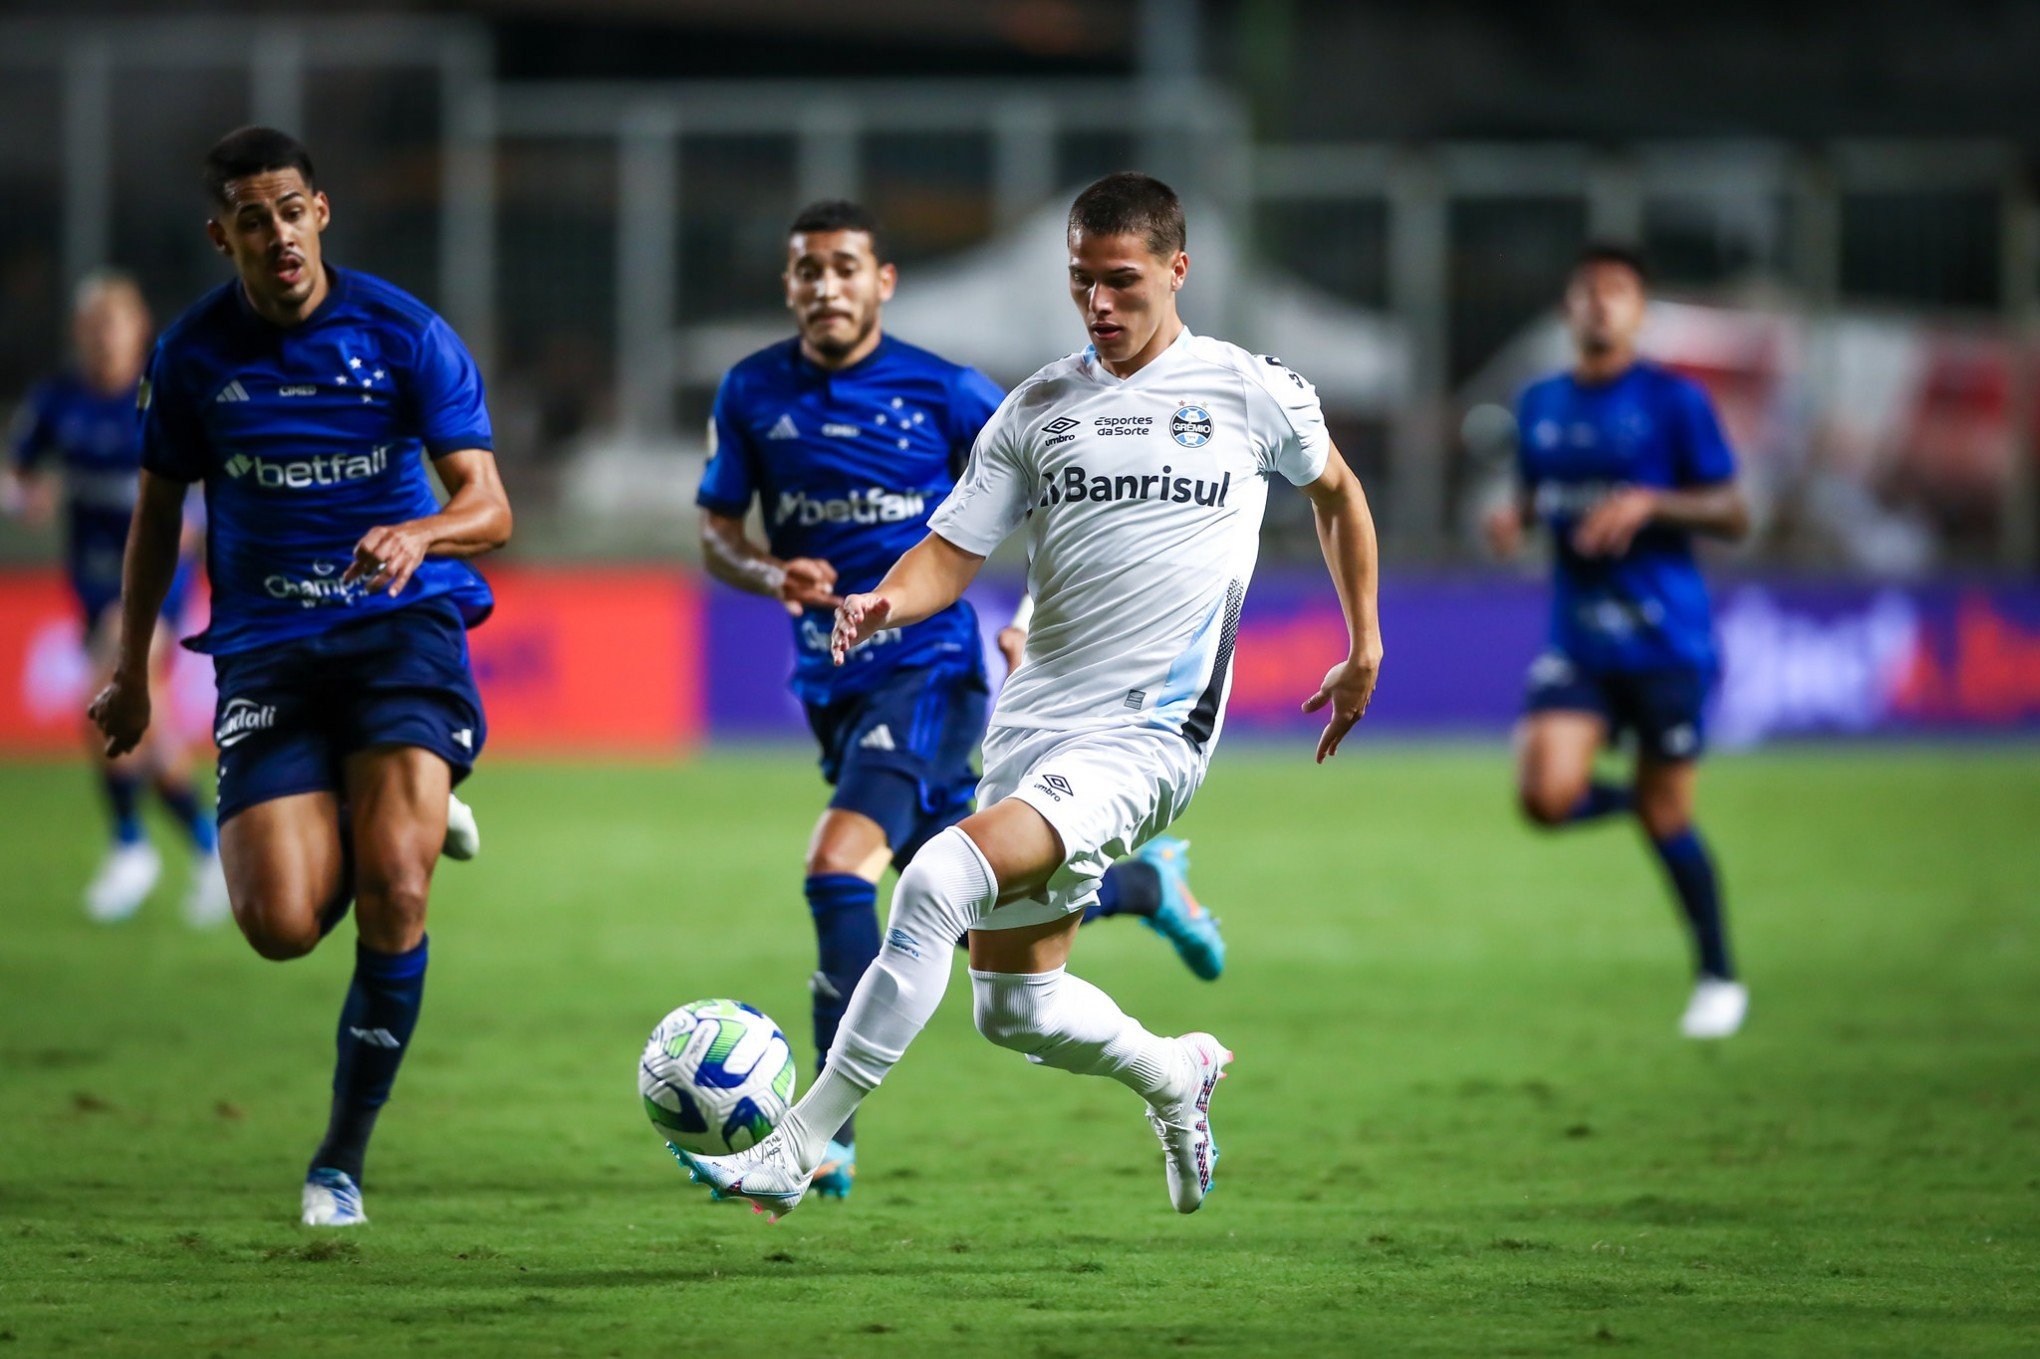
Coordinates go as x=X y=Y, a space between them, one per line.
x=1191 y=426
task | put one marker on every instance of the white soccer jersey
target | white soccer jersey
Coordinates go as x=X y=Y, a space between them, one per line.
x=1143 y=499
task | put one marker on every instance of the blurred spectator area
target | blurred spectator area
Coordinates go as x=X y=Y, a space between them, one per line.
x=1865 y=311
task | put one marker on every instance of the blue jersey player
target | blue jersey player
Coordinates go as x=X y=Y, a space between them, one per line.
x=80 y=430
x=1624 y=462
x=848 y=439
x=302 y=397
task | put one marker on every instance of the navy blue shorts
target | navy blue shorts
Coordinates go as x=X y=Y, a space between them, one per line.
x=289 y=714
x=1666 y=709
x=902 y=752
x=97 y=598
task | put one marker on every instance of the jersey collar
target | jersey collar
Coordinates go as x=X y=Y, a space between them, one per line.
x=1167 y=359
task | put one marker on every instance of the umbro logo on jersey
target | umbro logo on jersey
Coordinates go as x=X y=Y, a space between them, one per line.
x=233 y=391
x=785 y=429
x=1060 y=430
x=878 y=738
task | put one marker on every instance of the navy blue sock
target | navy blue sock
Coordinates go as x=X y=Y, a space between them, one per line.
x=845 y=908
x=1601 y=799
x=1129 y=887
x=198 y=823
x=375 y=1032
x=1691 y=870
x=123 y=798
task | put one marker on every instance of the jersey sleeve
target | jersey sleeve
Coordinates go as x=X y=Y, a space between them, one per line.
x=1285 y=421
x=973 y=398
x=729 y=481
x=1702 y=456
x=173 y=437
x=447 y=394
x=996 y=490
x=29 y=435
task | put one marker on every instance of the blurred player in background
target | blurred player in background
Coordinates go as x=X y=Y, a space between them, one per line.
x=302 y=396
x=850 y=438
x=1140 y=469
x=80 y=428
x=1624 y=462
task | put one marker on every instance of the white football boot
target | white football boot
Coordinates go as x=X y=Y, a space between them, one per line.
x=333 y=1199
x=765 y=1176
x=205 y=901
x=463 y=836
x=1716 y=1009
x=125 y=878
x=1189 y=1151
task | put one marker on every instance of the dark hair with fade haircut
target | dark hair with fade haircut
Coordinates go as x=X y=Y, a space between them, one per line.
x=1128 y=202
x=840 y=214
x=1613 y=252
x=254 y=151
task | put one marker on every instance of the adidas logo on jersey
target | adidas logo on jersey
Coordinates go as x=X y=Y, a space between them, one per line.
x=1076 y=485
x=878 y=738
x=875 y=506
x=785 y=429
x=233 y=391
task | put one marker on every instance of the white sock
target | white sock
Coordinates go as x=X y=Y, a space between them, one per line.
x=1064 y=1021
x=947 y=889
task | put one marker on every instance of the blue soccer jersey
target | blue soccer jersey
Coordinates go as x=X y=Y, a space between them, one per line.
x=306 y=438
x=847 y=467
x=94 y=440
x=1646 y=609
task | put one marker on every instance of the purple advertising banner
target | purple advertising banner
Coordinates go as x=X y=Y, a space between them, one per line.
x=1799 y=659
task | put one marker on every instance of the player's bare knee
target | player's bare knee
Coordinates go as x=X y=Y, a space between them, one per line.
x=278 y=931
x=1663 y=817
x=1547 y=804
x=832 y=857
x=390 y=906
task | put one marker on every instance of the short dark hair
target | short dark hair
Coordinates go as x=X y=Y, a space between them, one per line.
x=1129 y=202
x=253 y=151
x=840 y=214
x=1613 y=252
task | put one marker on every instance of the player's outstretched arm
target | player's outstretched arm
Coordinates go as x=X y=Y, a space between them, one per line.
x=121 y=709
x=931 y=576
x=475 y=519
x=1345 y=529
x=800 y=583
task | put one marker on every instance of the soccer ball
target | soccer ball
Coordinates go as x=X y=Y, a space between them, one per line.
x=716 y=1076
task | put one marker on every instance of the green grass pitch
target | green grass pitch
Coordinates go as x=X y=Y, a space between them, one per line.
x=1460 y=1121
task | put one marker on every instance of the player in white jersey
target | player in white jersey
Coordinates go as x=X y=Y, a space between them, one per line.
x=1140 y=468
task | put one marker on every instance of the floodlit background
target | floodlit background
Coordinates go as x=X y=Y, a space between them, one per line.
x=1385 y=196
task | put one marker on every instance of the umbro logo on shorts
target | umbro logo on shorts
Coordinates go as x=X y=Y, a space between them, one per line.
x=1056 y=786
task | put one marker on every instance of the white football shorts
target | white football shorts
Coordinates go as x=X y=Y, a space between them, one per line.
x=1106 y=792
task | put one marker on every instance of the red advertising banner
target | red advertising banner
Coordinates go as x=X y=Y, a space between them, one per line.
x=579 y=661
x=591 y=661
